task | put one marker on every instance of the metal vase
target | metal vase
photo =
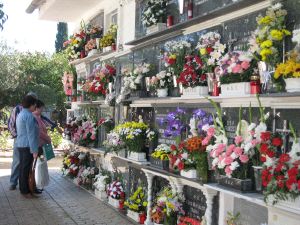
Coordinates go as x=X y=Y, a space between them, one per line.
x=210 y=81
x=257 y=178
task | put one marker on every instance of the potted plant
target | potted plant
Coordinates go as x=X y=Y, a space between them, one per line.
x=161 y=82
x=86 y=134
x=192 y=78
x=136 y=80
x=108 y=41
x=86 y=176
x=154 y=15
x=235 y=70
x=137 y=205
x=116 y=194
x=160 y=157
x=115 y=144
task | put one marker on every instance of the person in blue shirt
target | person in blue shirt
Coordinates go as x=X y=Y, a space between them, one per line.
x=27 y=141
x=13 y=130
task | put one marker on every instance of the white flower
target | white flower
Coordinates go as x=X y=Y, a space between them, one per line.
x=215 y=162
x=184 y=155
x=251 y=126
x=269 y=162
x=276 y=6
x=233 y=155
x=262 y=127
x=234 y=165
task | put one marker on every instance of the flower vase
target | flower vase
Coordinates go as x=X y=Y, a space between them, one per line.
x=257 y=178
x=245 y=185
x=101 y=195
x=292 y=84
x=137 y=217
x=156 y=28
x=137 y=156
x=114 y=202
x=195 y=91
x=235 y=89
x=162 y=92
x=192 y=174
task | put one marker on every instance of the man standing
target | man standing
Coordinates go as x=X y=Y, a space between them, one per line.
x=13 y=130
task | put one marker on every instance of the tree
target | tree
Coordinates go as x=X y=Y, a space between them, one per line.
x=61 y=36
x=3 y=16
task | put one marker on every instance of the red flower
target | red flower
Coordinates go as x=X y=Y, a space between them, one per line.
x=298 y=184
x=264 y=148
x=181 y=145
x=265 y=136
x=277 y=142
x=284 y=158
x=289 y=183
x=171 y=61
x=279 y=167
x=270 y=153
x=209 y=50
x=173 y=147
x=180 y=165
x=263 y=159
x=203 y=77
x=293 y=172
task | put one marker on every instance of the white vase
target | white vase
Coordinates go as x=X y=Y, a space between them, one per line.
x=114 y=202
x=292 y=84
x=195 y=91
x=189 y=174
x=162 y=93
x=235 y=89
x=137 y=156
x=101 y=195
x=133 y=215
x=156 y=28
x=93 y=52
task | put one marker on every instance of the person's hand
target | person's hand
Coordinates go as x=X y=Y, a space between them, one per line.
x=35 y=155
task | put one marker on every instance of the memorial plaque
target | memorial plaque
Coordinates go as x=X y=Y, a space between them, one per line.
x=136 y=178
x=250 y=213
x=195 y=202
x=158 y=184
x=293 y=18
x=237 y=32
x=104 y=113
x=93 y=64
x=231 y=119
x=291 y=115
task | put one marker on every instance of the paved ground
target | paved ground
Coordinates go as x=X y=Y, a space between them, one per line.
x=61 y=203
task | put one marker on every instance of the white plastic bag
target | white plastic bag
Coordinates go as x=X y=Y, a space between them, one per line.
x=41 y=173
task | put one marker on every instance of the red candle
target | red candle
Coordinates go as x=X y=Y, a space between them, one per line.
x=170 y=21
x=216 y=89
x=255 y=85
x=190 y=9
x=142 y=218
x=114 y=47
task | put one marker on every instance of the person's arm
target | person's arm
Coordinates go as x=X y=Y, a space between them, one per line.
x=33 y=134
x=48 y=122
x=12 y=122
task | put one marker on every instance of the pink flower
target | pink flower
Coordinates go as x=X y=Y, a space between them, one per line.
x=228 y=171
x=244 y=158
x=228 y=160
x=238 y=140
x=84 y=136
x=230 y=149
x=237 y=68
x=254 y=142
x=245 y=65
x=206 y=140
x=252 y=132
x=238 y=151
x=211 y=131
x=93 y=137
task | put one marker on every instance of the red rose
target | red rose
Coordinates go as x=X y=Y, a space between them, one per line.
x=298 y=184
x=293 y=172
x=263 y=159
x=265 y=136
x=209 y=50
x=279 y=167
x=270 y=153
x=264 y=148
x=181 y=145
x=173 y=148
x=284 y=158
x=289 y=183
x=180 y=165
x=203 y=77
x=277 y=142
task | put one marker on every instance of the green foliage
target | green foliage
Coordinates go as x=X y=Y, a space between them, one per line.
x=61 y=36
x=38 y=72
x=4 y=143
x=56 y=138
x=3 y=17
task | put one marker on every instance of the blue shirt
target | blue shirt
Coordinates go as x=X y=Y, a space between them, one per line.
x=28 y=131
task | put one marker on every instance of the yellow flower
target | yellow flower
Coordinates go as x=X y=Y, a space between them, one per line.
x=265 y=20
x=203 y=51
x=265 y=52
x=173 y=56
x=286 y=32
x=277 y=35
x=266 y=44
x=145 y=204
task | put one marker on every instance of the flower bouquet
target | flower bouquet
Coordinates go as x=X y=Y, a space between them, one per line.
x=192 y=78
x=160 y=157
x=74 y=47
x=184 y=220
x=108 y=41
x=154 y=15
x=116 y=194
x=161 y=82
x=86 y=134
x=167 y=206
x=133 y=135
x=290 y=71
x=210 y=50
x=137 y=206
x=114 y=143
x=199 y=119
x=71 y=164
x=107 y=123
x=174 y=58
x=86 y=176
x=281 y=173
x=235 y=70
x=91 y=47
x=100 y=184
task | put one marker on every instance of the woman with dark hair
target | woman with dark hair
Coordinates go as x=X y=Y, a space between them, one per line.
x=27 y=141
